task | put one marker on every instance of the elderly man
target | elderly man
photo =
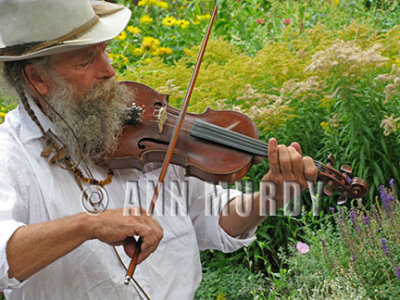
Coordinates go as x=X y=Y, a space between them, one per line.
x=72 y=113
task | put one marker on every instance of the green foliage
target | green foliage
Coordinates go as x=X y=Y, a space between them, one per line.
x=356 y=257
x=226 y=279
x=7 y=103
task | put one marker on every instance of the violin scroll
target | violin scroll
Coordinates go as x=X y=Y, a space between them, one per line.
x=341 y=181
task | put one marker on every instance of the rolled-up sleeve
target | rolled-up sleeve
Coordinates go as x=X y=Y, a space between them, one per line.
x=8 y=228
x=12 y=208
x=208 y=200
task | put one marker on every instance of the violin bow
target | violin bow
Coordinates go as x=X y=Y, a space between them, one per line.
x=171 y=146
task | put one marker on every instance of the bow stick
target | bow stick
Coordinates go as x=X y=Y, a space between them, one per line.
x=171 y=146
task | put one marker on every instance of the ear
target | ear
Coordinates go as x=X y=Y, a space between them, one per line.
x=37 y=79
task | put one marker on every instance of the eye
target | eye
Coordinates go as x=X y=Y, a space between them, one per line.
x=86 y=62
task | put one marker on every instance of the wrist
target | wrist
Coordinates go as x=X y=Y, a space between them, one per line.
x=86 y=226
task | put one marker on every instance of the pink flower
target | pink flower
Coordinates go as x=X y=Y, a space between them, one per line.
x=260 y=21
x=239 y=1
x=287 y=21
x=302 y=248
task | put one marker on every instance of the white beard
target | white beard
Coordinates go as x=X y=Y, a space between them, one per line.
x=96 y=118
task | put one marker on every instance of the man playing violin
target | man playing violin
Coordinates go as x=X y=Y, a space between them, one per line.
x=71 y=113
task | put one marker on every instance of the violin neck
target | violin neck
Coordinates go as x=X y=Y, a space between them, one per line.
x=232 y=139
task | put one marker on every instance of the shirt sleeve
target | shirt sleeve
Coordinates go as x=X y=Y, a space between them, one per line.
x=12 y=207
x=207 y=202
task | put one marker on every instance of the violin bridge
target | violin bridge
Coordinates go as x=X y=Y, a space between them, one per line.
x=162 y=117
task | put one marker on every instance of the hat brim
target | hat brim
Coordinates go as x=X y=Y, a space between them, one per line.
x=107 y=28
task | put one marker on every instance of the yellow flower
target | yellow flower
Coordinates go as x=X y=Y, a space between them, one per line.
x=146 y=2
x=324 y=125
x=2 y=114
x=159 y=3
x=146 y=19
x=137 y=51
x=122 y=36
x=164 y=50
x=133 y=30
x=169 y=21
x=150 y=44
x=125 y=60
x=221 y=297
x=183 y=23
x=162 y=4
x=335 y=2
x=204 y=17
x=148 y=60
x=195 y=22
x=187 y=52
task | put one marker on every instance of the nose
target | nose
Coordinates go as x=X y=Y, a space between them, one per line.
x=105 y=69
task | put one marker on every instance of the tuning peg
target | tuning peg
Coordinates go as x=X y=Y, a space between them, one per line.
x=359 y=188
x=346 y=169
x=331 y=160
x=328 y=190
x=341 y=200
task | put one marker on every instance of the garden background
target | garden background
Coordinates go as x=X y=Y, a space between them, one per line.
x=325 y=73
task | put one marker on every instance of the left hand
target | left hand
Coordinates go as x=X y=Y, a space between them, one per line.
x=287 y=164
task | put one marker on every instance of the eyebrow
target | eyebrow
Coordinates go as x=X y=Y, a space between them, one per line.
x=89 y=54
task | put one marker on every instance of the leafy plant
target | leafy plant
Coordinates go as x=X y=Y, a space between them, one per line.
x=357 y=258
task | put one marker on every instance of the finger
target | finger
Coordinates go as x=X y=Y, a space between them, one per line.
x=285 y=161
x=273 y=156
x=137 y=211
x=297 y=162
x=147 y=248
x=129 y=245
x=296 y=146
x=310 y=170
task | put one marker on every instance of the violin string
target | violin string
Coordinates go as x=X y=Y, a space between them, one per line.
x=227 y=135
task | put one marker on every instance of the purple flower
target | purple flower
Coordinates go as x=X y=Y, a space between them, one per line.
x=332 y=209
x=397 y=269
x=391 y=183
x=366 y=220
x=302 y=248
x=386 y=198
x=353 y=217
x=385 y=248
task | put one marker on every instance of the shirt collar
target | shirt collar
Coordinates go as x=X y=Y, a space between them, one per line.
x=29 y=130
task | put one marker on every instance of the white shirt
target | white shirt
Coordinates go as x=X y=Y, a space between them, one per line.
x=32 y=191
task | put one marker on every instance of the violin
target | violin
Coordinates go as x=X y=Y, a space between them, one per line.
x=213 y=146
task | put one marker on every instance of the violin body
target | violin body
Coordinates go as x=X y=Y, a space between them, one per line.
x=144 y=142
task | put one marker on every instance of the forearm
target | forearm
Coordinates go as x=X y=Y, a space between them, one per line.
x=237 y=223
x=33 y=247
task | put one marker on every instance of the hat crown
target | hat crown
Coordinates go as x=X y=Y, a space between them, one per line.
x=28 y=21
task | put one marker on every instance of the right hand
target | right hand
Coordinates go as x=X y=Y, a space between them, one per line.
x=113 y=228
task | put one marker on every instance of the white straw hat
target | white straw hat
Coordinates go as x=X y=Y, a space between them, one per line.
x=45 y=27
